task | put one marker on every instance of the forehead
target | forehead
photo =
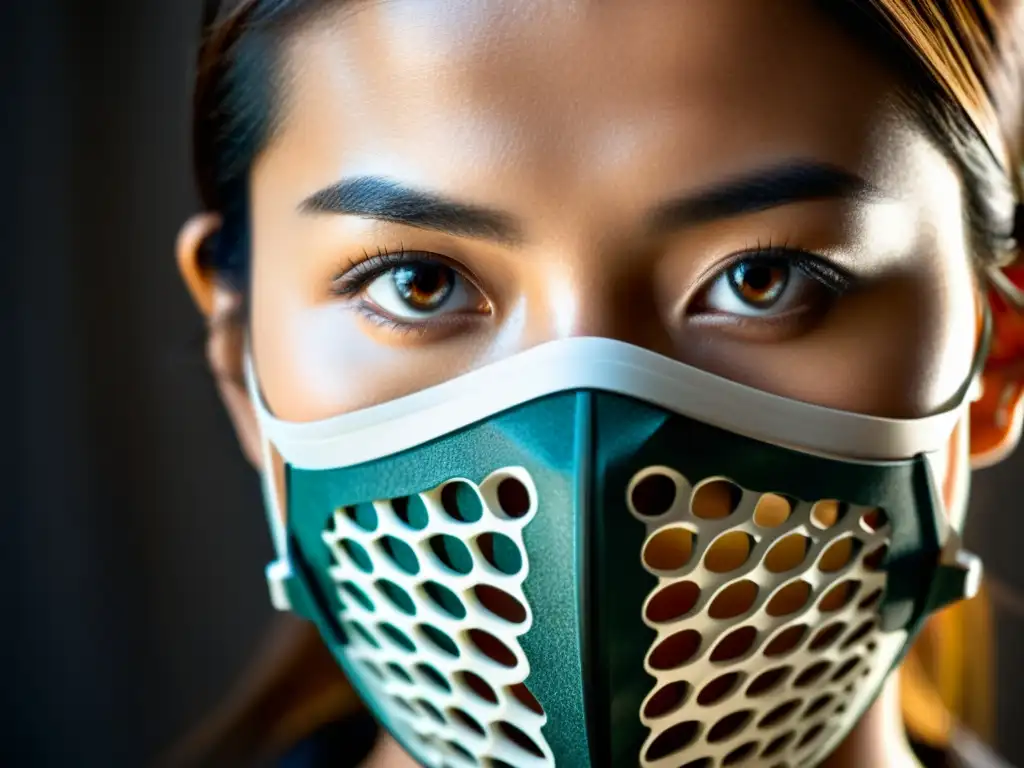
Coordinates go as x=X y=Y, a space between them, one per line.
x=560 y=96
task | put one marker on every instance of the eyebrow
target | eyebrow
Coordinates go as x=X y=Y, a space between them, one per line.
x=388 y=200
x=763 y=189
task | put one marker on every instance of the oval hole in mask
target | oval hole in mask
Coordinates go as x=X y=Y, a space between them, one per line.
x=715 y=499
x=514 y=498
x=444 y=599
x=786 y=641
x=871 y=600
x=452 y=553
x=859 y=633
x=787 y=553
x=363 y=516
x=772 y=510
x=730 y=725
x=848 y=666
x=672 y=602
x=827 y=513
x=839 y=554
x=411 y=511
x=810 y=736
x=734 y=645
x=477 y=686
x=654 y=495
x=719 y=689
x=461 y=502
x=875 y=560
x=817 y=705
x=523 y=695
x=397 y=596
x=438 y=640
x=466 y=721
x=790 y=599
x=399 y=673
x=812 y=674
x=778 y=744
x=518 y=738
x=741 y=753
x=735 y=600
x=676 y=650
x=728 y=552
x=500 y=552
x=461 y=751
x=433 y=677
x=357 y=555
x=826 y=636
x=672 y=740
x=667 y=699
x=768 y=681
x=839 y=596
x=669 y=549
x=354 y=591
x=492 y=648
x=364 y=634
x=397 y=637
x=500 y=603
x=700 y=762
x=780 y=714
x=874 y=520
x=399 y=553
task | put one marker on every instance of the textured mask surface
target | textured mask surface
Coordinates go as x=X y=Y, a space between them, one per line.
x=432 y=592
x=765 y=611
x=591 y=581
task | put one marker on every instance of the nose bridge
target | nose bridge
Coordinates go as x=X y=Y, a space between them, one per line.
x=595 y=291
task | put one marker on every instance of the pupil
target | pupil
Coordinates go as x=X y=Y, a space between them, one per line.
x=423 y=286
x=759 y=278
x=759 y=284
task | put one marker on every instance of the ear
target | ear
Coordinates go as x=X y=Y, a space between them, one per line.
x=225 y=341
x=997 y=418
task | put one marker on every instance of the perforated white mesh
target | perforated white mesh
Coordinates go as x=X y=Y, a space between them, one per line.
x=766 y=613
x=429 y=584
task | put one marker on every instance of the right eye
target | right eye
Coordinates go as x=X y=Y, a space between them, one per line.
x=419 y=291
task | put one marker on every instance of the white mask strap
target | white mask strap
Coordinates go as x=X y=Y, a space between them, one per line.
x=279 y=571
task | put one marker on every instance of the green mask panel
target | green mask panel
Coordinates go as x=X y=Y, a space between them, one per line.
x=589 y=580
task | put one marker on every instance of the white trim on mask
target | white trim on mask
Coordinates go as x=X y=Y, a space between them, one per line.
x=596 y=364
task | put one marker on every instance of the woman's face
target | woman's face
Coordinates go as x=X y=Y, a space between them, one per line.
x=731 y=183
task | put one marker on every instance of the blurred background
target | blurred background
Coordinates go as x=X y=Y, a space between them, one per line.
x=132 y=541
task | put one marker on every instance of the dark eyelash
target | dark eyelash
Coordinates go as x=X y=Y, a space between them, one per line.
x=357 y=274
x=812 y=266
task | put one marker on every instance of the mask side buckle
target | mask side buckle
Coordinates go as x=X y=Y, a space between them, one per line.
x=958 y=576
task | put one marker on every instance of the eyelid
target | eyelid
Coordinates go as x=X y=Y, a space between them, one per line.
x=357 y=274
x=813 y=266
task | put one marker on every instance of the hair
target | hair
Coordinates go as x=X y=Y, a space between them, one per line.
x=962 y=70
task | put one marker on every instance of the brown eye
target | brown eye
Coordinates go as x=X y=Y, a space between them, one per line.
x=770 y=286
x=419 y=291
x=424 y=287
x=759 y=283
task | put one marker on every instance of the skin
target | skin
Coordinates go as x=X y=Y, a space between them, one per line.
x=576 y=123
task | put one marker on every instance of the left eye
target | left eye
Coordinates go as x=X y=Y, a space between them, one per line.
x=760 y=287
x=420 y=290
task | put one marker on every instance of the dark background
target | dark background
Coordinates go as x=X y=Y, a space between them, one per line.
x=132 y=540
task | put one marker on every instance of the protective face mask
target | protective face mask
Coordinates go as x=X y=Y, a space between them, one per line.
x=591 y=555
